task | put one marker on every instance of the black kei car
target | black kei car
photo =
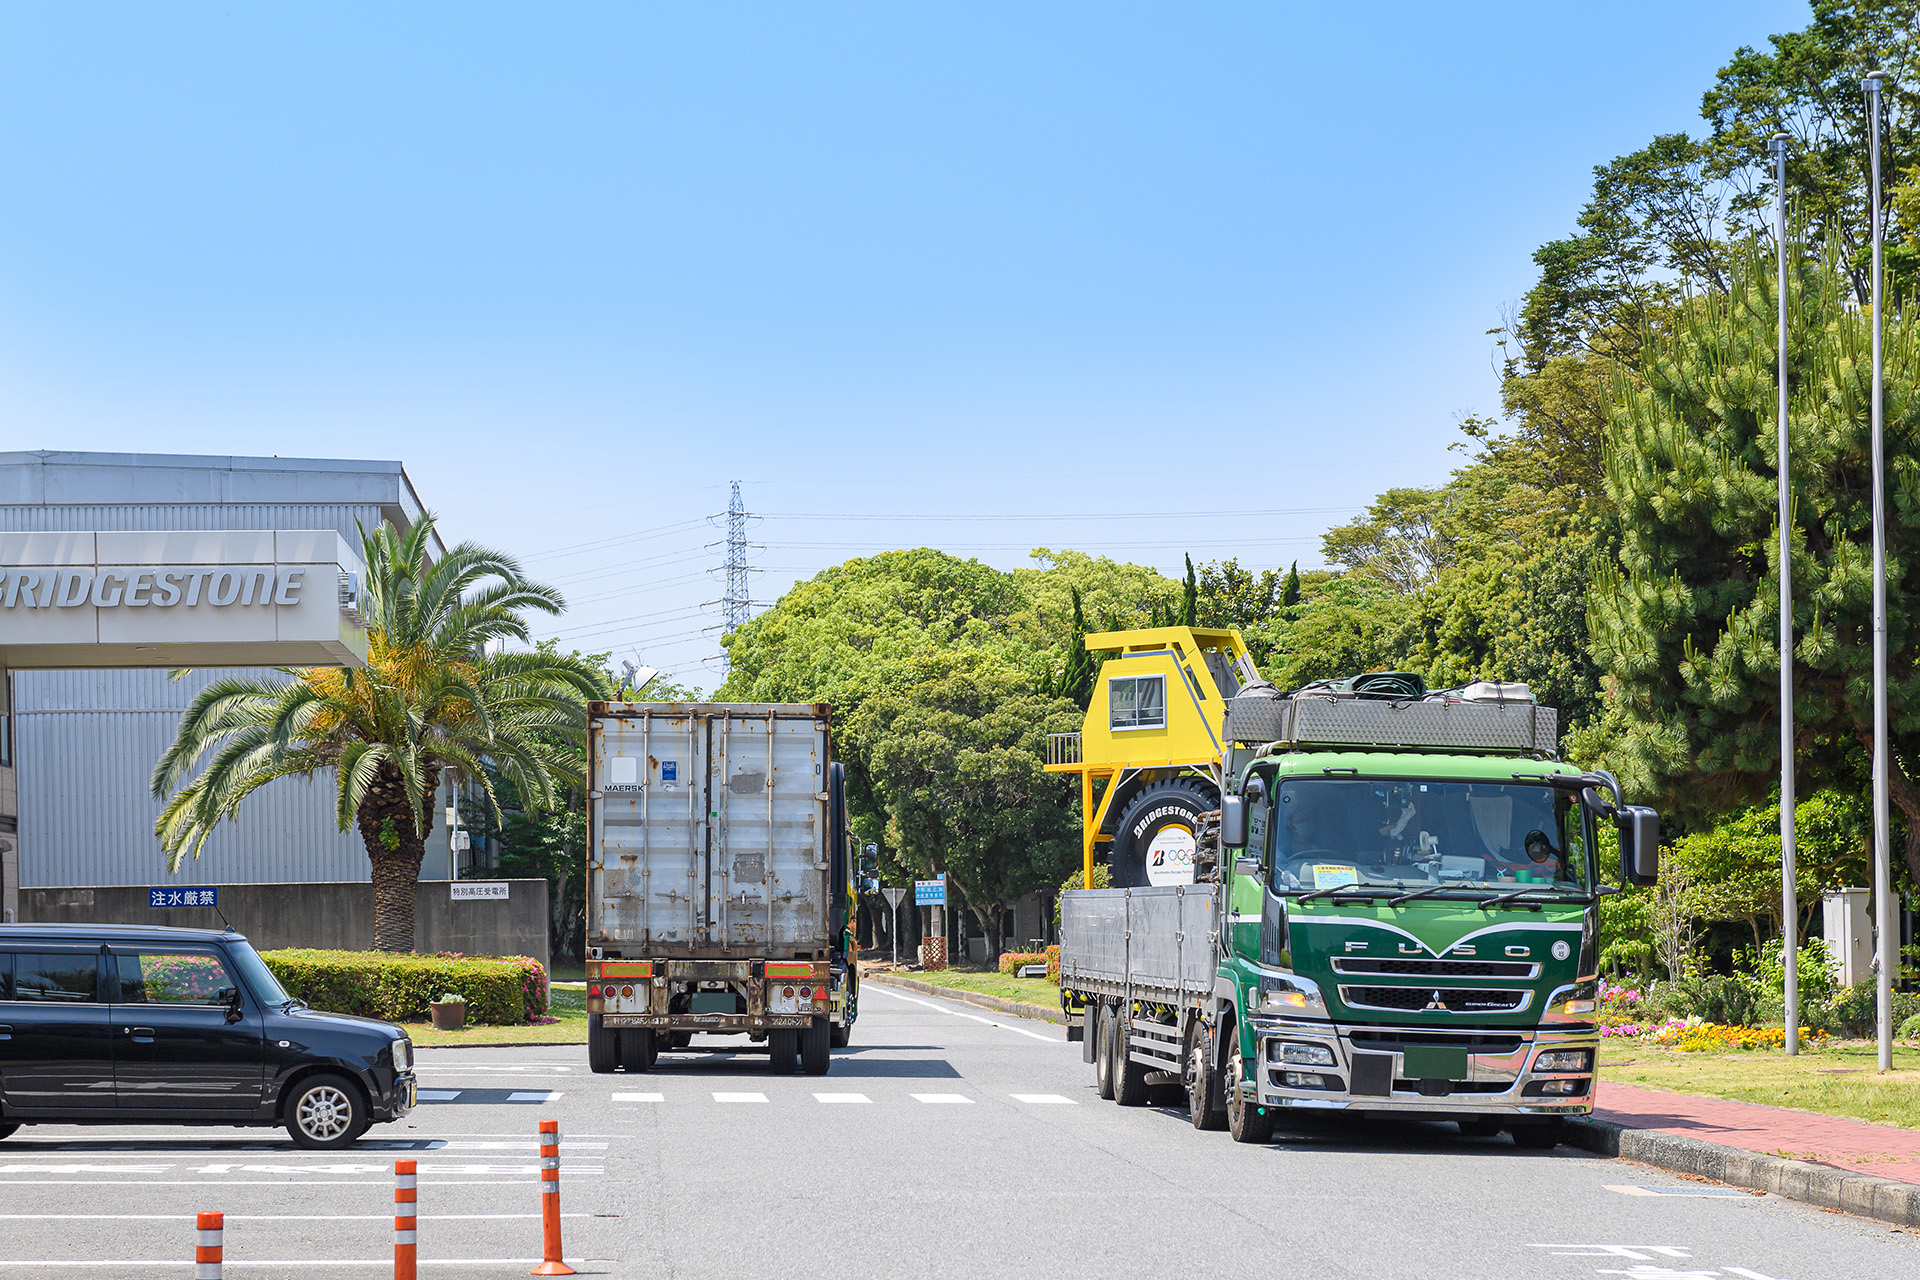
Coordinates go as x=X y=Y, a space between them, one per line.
x=111 y=1024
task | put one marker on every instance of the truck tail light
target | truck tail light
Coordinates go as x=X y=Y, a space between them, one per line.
x=626 y=993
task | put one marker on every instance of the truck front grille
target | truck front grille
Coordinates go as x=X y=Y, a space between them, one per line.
x=1438 y=968
x=1430 y=999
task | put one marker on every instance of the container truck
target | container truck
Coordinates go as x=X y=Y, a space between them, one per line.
x=1398 y=910
x=720 y=883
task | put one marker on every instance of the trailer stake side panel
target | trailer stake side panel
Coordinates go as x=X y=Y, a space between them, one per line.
x=1157 y=944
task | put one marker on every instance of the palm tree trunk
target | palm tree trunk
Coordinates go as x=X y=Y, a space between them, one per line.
x=394 y=847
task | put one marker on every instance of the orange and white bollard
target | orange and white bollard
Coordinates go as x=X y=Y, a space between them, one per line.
x=550 y=1202
x=405 y=1196
x=206 y=1254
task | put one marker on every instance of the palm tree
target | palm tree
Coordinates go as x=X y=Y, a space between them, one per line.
x=431 y=698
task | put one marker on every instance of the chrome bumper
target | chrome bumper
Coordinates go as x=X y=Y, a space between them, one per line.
x=1501 y=1081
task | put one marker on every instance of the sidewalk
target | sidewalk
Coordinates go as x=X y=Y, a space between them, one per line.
x=1852 y=1145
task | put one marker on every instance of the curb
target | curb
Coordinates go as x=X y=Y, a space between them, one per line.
x=1886 y=1199
x=504 y=1044
x=1019 y=1009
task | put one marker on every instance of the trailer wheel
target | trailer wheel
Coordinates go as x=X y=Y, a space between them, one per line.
x=1130 y=1087
x=783 y=1046
x=1154 y=836
x=842 y=1035
x=635 y=1049
x=679 y=1039
x=816 y=1047
x=1205 y=1107
x=1246 y=1121
x=602 y=1054
x=1102 y=1048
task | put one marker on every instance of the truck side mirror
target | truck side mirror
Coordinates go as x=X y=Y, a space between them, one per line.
x=1639 y=829
x=1233 y=822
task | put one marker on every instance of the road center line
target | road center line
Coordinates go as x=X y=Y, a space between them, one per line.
x=876 y=988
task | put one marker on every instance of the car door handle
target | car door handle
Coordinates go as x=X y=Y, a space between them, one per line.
x=141 y=1035
x=6 y=1031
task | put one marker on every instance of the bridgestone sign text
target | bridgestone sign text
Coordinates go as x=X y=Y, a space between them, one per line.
x=160 y=588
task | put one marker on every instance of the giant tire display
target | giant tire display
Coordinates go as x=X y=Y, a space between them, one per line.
x=1153 y=840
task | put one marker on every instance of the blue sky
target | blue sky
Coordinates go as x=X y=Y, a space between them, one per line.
x=913 y=273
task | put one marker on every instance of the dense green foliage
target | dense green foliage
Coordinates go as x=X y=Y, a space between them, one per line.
x=499 y=990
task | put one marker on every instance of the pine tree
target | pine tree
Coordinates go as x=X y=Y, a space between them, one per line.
x=1290 y=592
x=1076 y=679
x=1189 y=599
x=1686 y=625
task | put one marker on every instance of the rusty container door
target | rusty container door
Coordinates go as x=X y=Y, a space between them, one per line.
x=708 y=829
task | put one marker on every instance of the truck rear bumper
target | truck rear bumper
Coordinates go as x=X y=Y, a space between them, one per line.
x=1487 y=1072
x=717 y=1023
x=752 y=996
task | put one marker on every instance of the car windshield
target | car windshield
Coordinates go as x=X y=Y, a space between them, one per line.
x=1473 y=836
x=253 y=970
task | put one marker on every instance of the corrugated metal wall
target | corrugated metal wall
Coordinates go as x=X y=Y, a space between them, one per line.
x=87 y=744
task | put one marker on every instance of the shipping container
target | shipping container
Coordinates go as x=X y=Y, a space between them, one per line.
x=720 y=893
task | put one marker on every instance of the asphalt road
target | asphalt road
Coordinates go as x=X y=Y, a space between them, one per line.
x=946 y=1142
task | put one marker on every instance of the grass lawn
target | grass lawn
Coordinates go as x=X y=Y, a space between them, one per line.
x=569 y=1004
x=1843 y=1080
x=991 y=982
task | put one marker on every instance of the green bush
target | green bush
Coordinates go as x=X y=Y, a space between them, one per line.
x=1713 y=997
x=1011 y=961
x=1910 y=1029
x=1854 y=1011
x=398 y=986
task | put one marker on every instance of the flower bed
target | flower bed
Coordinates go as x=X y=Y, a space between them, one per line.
x=1011 y=961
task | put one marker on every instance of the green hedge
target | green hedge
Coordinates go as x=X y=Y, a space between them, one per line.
x=398 y=986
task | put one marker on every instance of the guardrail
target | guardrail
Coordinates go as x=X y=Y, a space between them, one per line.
x=1063 y=748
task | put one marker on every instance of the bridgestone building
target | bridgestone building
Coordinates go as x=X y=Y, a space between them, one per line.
x=78 y=746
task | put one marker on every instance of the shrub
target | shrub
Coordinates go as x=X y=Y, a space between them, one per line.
x=1854 y=1011
x=1715 y=998
x=1011 y=961
x=1910 y=1029
x=398 y=986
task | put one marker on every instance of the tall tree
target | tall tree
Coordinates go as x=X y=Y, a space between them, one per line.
x=1401 y=541
x=1290 y=590
x=1686 y=626
x=430 y=698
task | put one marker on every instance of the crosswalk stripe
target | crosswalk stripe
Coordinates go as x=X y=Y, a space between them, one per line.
x=739 y=1097
x=944 y=1099
x=842 y=1097
x=438 y=1095
x=535 y=1095
x=1044 y=1099
x=639 y=1097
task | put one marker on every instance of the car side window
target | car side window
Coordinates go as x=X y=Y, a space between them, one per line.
x=172 y=977
x=56 y=977
x=6 y=975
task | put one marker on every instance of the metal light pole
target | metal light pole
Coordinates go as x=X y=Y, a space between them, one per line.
x=1885 y=952
x=1789 y=898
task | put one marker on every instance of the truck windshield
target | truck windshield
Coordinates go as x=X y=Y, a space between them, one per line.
x=1474 y=836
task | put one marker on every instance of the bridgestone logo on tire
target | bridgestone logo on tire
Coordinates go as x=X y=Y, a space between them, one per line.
x=1164 y=811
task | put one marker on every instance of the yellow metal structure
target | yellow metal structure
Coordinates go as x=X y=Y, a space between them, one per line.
x=1130 y=736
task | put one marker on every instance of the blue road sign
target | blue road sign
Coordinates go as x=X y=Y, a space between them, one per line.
x=199 y=895
x=930 y=893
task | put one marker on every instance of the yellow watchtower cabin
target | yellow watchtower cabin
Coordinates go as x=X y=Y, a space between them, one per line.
x=1149 y=753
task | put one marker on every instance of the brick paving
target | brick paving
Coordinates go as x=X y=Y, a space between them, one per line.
x=1853 y=1145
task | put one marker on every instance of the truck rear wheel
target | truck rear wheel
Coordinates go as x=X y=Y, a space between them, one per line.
x=602 y=1055
x=1246 y=1121
x=783 y=1046
x=816 y=1048
x=1154 y=838
x=842 y=1035
x=1205 y=1107
x=1102 y=1033
x=1129 y=1077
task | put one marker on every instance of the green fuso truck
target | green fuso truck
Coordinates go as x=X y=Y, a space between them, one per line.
x=1401 y=915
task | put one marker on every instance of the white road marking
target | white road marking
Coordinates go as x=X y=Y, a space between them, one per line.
x=454 y=1066
x=842 y=1097
x=542 y=1095
x=1718 y=1192
x=639 y=1097
x=84 y=1168
x=267 y=1217
x=282 y=1262
x=438 y=1095
x=373 y=1170
x=876 y=988
x=944 y=1099
x=1044 y=1100
x=739 y=1097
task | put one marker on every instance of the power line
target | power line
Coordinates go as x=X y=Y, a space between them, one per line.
x=1050 y=516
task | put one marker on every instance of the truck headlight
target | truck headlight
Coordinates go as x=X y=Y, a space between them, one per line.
x=1564 y=1060
x=1573 y=1002
x=1283 y=995
x=403 y=1054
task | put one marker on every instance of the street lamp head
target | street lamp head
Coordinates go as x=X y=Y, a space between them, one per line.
x=1777 y=144
x=1871 y=81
